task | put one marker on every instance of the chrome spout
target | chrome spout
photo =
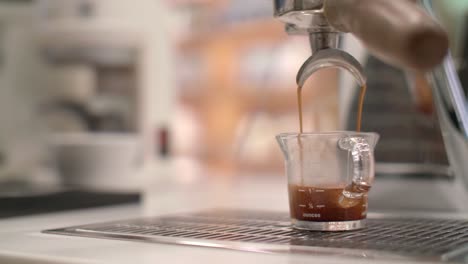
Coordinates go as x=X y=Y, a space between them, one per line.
x=331 y=58
x=323 y=40
x=306 y=17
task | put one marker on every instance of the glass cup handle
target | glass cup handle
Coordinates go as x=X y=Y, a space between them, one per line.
x=363 y=164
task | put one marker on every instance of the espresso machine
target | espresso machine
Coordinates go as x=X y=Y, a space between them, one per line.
x=405 y=36
x=115 y=85
x=245 y=216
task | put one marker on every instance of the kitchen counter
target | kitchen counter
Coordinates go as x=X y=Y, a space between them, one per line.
x=23 y=242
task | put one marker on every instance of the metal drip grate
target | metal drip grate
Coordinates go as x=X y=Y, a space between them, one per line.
x=384 y=237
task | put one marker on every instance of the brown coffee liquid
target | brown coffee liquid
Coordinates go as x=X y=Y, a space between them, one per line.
x=362 y=94
x=325 y=204
x=299 y=103
x=301 y=130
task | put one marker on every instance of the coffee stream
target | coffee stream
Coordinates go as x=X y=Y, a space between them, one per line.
x=301 y=130
x=336 y=207
x=362 y=94
x=299 y=103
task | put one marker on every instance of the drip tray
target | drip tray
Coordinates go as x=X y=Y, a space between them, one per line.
x=386 y=237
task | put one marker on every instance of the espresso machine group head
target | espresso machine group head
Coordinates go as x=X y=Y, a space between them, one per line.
x=399 y=32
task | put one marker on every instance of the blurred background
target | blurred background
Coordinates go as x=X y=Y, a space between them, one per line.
x=107 y=95
x=211 y=81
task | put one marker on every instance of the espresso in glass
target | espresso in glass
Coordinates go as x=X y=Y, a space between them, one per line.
x=325 y=204
x=329 y=175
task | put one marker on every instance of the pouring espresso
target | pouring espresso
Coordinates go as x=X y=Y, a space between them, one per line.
x=332 y=195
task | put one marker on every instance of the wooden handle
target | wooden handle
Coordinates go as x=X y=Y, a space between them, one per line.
x=398 y=31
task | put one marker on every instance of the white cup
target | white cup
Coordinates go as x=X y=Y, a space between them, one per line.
x=107 y=161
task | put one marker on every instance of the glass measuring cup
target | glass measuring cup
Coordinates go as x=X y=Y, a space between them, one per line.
x=329 y=175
